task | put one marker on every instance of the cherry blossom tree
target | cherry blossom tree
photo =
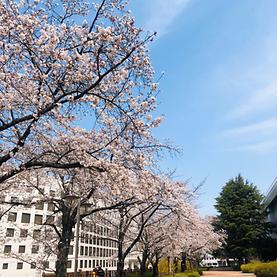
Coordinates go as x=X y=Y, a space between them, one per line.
x=167 y=199
x=63 y=62
x=179 y=233
x=56 y=71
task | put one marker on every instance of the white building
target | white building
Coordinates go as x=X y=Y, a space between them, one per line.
x=25 y=248
x=209 y=260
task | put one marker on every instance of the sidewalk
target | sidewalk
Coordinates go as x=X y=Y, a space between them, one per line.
x=226 y=274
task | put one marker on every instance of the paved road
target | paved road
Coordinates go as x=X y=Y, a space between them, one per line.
x=226 y=274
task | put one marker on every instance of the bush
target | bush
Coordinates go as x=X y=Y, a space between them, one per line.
x=193 y=274
x=266 y=269
x=201 y=269
x=250 y=267
x=261 y=269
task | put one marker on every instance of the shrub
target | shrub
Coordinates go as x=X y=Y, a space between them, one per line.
x=201 y=269
x=193 y=274
x=266 y=269
x=250 y=267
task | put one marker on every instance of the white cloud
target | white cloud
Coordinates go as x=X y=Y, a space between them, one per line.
x=162 y=13
x=261 y=101
x=267 y=146
x=266 y=127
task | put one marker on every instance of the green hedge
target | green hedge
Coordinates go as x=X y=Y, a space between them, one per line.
x=192 y=274
x=261 y=269
x=250 y=267
x=266 y=269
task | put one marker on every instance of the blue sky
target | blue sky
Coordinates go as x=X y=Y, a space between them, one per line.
x=219 y=91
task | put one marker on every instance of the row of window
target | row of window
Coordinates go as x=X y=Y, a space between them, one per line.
x=87 y=251
x=90 y=239
x=32 y=265
x=83 y=264
x=23 y=233
x=26 y=218
x=21 y=249
x=94 y=263
x=97 y=229
x=96 y=252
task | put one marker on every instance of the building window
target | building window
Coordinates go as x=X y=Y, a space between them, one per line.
x=5 y=266
x=10 y=232
x=45 y=264
x=89 y=263
x=25 y=218
x=86 y=263
x=7 y=249
x=33 y=265
x=70 y=251
x=23 y=233
x=51 y=207
x=69 y=264
x=82 y=250
x=36 y=234
x=39 y=206
x=12 y=216
x=50 y=219
x=19 y=266
x=35 y=249
x=81 y=264
x=38 y=219
x=47 y=249
x=14 y=199
x=21 y=249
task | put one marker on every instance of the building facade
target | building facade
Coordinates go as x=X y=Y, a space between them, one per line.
x=27 y=242
x=271 y=204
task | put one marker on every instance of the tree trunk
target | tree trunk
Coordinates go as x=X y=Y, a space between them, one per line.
x=120 y=263
x=143 y=269
x=120 y=268
x=156 y=267
x=184 y=262
x=64 y=243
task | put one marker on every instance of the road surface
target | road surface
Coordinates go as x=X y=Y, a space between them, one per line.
x=226 y=274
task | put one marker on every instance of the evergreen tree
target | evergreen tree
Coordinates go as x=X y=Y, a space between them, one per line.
x=241 y=215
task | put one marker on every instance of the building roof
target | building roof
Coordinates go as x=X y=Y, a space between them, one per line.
x=272 y=193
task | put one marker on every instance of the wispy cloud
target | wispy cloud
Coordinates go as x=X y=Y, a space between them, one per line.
x=267 y=146
x=258 y=137
x=261 y=101
x=162 y=13
x=266 y=127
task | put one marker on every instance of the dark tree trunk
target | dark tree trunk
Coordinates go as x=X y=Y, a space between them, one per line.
x=64 y=243
x=120 y=263
x=120 y=268
x=184 y=262
x=155 y=264
x=143 y=267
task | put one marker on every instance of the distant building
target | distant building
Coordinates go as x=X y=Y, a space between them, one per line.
x=271 y=204
x=209 y=260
